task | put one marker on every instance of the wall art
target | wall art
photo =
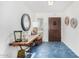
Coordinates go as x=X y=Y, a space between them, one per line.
x=67 y=20
x=74 y=22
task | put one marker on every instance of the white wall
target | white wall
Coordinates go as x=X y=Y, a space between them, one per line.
x=70 y=35
x=10 y=17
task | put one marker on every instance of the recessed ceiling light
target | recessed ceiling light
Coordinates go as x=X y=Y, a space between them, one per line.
x=50 y=3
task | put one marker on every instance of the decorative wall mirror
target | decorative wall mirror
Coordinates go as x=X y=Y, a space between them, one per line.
x=74 y=22
x=25 y=22
x=67 y=20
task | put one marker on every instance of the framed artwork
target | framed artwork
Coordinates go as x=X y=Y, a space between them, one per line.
x=74 y=22
x=40 y=20
x=67 y=20
x=18 y=36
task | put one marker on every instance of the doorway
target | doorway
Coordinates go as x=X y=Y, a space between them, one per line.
x=54 y=29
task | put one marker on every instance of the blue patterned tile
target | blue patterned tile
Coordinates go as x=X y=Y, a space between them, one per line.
x=52 y=50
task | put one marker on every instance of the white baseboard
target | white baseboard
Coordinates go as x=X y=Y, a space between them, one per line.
x=71 y=48
x=3 y=56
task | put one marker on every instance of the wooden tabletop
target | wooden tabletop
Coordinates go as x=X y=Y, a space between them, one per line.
x=30 y=41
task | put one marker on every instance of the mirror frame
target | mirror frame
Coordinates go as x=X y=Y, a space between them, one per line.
x=22 y=22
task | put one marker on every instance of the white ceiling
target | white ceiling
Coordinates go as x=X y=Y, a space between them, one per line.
x=42 y=6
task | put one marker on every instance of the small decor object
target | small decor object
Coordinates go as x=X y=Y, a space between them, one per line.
x=74 y=22
x=67 y=20
x=21 y=53
x=34 y=31
x=24 y=52
x=18 y=36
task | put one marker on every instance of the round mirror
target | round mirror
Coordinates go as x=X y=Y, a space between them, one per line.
x=25 y=22
x=74 y=22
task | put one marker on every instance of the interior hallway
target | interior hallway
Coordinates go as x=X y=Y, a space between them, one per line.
x=10 y=20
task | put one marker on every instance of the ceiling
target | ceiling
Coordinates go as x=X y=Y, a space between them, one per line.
x=42 y=6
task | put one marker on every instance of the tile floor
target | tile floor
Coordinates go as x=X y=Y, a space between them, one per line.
x=52 y=50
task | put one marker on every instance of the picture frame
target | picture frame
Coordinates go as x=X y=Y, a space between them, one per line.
x=18 y=36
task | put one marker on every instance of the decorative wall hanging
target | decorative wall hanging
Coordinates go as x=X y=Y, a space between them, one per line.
x=25 y=22
x=73 y=23
x=67 y=20
x=18 y=36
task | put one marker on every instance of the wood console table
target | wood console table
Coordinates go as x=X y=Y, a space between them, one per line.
x=32 y=39
x=36 y=39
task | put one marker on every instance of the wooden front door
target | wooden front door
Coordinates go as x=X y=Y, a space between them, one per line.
x=54 y=29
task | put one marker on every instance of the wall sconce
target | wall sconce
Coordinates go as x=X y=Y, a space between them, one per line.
x=18 y=36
